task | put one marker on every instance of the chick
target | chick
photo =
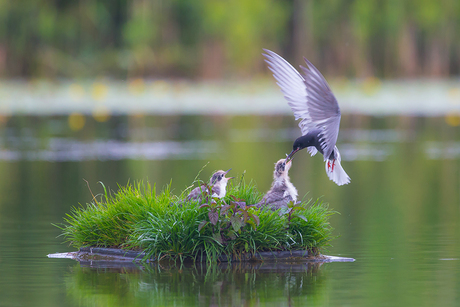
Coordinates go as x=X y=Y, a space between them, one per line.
x=218 y=182
x=282 y=190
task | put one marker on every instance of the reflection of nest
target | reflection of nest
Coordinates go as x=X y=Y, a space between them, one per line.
x=265 y=267
x=116 y=258
x=217 y=284
x=237 y=267
x=97 y=257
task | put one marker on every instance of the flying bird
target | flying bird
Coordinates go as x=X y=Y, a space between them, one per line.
x=312 y=101
x=282 y=190
x=218 y=182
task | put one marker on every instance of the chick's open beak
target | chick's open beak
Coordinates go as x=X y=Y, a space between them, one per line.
x=227 y=172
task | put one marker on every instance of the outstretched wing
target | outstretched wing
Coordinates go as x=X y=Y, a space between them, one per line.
x=323 y=109
x=292 y=84
x=309 y=97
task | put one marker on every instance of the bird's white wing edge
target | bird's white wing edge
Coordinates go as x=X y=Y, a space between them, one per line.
x=290 y=81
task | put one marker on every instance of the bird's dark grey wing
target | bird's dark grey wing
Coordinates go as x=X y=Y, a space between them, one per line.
x=274 y=200
x=196 y=193
x=323 y=109
x=280 y=203
x=215 y=190
x=292 y=84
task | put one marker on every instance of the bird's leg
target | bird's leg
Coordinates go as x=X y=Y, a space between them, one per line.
x=330 y=166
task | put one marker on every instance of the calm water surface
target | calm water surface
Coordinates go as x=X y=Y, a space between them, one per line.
x=399 y=216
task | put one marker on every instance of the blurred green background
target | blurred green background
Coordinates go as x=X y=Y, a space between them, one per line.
x=118 y=91
x=213 y=39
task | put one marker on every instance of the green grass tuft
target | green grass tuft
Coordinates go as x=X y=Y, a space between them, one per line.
x=165 y=226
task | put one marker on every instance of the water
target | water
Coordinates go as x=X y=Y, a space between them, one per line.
x=399 y=216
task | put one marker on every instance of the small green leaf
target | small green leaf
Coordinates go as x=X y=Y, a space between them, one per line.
x=202 y=224
x=217 y=237
x=283 y=210
x=236 y=222
x=302 y=217
x=253 y=225
x=231 y=234
x=255 y=218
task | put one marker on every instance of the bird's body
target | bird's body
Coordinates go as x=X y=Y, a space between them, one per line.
x=282 y=190
x=312 y=101
x=218 y=184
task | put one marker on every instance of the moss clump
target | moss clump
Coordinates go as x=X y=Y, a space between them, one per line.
x=165 y=226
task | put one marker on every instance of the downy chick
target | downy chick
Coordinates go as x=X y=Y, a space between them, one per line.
x=282 y=190
x=218 y=182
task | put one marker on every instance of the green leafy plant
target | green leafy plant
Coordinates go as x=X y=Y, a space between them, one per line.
x=166 y=226
x=227 y=221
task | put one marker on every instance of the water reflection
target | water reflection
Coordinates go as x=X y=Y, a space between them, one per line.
x=400 y=216
x=366 y=152
x=240 y=284
x=62 y=149
x=443 y=150
x=203 y=138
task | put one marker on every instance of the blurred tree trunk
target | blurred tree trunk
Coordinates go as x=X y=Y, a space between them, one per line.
x=344 y=53
x=361 y=60
x=409 y=63
x=389 y=68
x=212 y=60
x=438 y=50
x=3 y=71
x=301 y=38
x=437 y=61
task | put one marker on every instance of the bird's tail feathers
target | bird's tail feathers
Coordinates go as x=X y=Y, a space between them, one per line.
x=336 y=173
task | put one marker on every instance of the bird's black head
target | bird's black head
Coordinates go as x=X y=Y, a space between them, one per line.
x=306 y=140
x=300 y=143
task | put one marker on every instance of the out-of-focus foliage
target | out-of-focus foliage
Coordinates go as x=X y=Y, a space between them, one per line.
x=218 y=38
